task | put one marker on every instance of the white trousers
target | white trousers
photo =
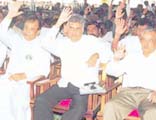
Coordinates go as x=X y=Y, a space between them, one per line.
x=14 y=101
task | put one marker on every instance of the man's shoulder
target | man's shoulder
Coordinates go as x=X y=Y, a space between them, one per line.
x=130 y=38
x=90 y=38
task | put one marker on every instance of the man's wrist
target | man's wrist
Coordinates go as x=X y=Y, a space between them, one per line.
x=117 y=36
x=58 y=24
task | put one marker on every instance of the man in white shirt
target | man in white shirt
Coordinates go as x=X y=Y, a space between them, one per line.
x=80 y=57
x=139 y=89
x=27 y=60
x=132 y=44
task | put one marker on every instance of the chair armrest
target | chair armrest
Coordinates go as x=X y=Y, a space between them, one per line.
x=105 y=97
x=39 y=85
x=42 y=86
x=114 y=86
x=2 y=71
x=36 y=79
x=32 y=83
x=48 y=81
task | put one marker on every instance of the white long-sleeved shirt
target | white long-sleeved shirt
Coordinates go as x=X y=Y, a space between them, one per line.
x=74 y=56
x=139 y=71
x=108 y=37
x=26 y=56
x=132 y=44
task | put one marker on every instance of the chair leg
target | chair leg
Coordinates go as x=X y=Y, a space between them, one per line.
x=32 y=111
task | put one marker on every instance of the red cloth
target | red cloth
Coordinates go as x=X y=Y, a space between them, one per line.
x=65 y=102
x=134 y=113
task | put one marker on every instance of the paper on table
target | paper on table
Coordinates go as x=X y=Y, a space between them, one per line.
x=92 y=89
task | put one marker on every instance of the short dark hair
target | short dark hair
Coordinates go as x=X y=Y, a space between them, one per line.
x=31 y=16
x=108 y=25
x=146 y=21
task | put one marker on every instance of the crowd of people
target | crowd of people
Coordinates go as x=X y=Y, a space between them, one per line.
x=85 y=38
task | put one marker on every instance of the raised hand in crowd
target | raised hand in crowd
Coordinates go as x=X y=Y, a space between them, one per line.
x=152 y=97
x=14 y=7
x=121 y=28
x=64 y=16
x=87 y=10
x=119 y=12
x=120 y=52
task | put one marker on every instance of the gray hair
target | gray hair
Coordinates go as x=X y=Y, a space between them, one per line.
x=77 y=18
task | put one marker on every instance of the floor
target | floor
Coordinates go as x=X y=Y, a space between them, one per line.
x=57 y=117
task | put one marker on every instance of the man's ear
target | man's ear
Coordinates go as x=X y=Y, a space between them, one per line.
x=38 y=33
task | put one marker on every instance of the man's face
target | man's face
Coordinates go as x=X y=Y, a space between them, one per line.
x=148 y=42
x=75 y=31
x=92 y=30
x=31 y=29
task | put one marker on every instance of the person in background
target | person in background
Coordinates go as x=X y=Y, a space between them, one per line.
x=93 y=29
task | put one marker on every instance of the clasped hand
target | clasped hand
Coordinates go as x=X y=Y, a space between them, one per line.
x=93 y=60
x=17 y=76
x=152 y=97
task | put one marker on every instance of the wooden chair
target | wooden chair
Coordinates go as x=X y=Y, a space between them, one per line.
x=55 y=68
x=112 y=91
x=2 y=71
x=4 y=66
x=94 y=100
x=53 y=77
x=113 y=85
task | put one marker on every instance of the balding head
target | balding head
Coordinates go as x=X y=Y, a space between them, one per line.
x=148 y=41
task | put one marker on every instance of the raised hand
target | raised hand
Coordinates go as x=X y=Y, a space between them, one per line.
x=64 y=16
x=152 y=97
x=14 y=7
x=87 y=10
x=121 y=26
x=93 y=60
x=120 y=52
x=119 y=13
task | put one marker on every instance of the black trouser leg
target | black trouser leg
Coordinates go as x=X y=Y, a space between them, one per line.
x=46 y=101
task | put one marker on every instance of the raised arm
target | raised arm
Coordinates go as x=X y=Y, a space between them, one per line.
x=13 y=8
x=50 y=43
x=64 y=17
x=119 y=30
x=117 y=65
